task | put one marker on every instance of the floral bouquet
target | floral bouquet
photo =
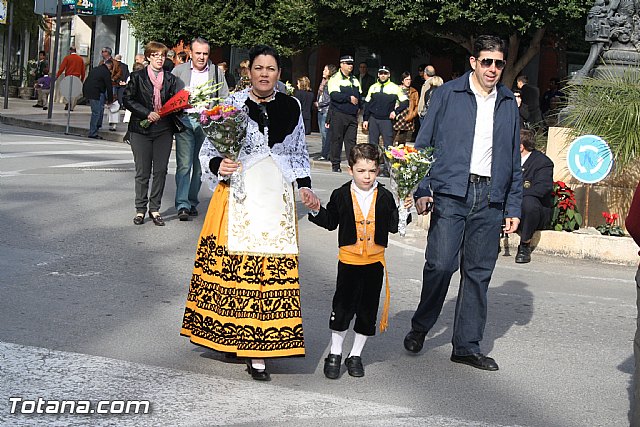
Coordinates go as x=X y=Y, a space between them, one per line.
x=199 y=98
x=289 y=88
x=408 y=166
x=226 y=128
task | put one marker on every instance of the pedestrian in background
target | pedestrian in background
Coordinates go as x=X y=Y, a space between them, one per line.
x=404 y=122
x=345 y=94
x=72 y=65
x=303 y=94
x=231 y=81
x=474 y=186
x=384 y=101
x=322 y=104
x=364 y=78
x=43 y=87
x=199 y=71
x=253 y=312
x=365 y=213
x=182 y=57
x=38 y=72
x=531 y=97
x=244 y=81
x=168 y=64
x=148 y=89
x=98 y=90
x=423 y=105
x=537 y=195
x=124 y=78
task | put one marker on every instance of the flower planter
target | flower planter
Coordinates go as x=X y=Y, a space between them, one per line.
x=13 y=91
x=25 y=92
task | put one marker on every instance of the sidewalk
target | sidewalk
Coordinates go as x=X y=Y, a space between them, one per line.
x=619 y=250
x=22 y=113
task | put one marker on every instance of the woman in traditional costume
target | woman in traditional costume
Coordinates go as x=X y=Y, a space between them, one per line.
x=244 y=295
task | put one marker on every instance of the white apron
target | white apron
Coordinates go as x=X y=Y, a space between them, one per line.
x=264 y=223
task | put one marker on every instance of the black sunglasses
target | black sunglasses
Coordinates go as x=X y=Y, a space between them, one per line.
x=486 y=63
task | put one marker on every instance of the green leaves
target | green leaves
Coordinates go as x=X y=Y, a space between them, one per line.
x=608 y=106
x=288 y=25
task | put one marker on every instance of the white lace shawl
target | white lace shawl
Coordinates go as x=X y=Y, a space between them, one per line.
x=291 y=156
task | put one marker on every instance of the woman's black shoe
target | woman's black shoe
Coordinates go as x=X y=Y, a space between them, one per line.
x=258 y=374
x=138 y=219
x=157 y=219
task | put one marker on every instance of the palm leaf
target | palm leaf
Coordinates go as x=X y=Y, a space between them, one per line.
x=608 y=106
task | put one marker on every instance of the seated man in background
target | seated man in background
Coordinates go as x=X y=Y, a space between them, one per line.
x=537 y=200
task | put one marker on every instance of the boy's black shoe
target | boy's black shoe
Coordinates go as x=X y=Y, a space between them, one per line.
x=332 y=366
x=354 y=366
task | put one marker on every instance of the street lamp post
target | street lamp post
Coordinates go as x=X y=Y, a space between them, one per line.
x=7 y=58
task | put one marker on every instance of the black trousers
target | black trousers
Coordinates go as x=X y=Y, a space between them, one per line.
x=344 y=128
x=357 y=293
x=150 y=154
x=379 y=127
x=534 y=217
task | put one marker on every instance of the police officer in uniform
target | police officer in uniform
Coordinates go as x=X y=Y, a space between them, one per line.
x=344 y=91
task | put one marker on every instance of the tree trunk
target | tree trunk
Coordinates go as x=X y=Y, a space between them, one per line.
x=516 y=63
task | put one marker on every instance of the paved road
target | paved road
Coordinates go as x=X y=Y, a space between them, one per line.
x=90 y=308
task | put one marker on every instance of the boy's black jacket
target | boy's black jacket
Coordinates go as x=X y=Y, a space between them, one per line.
x=339 y=212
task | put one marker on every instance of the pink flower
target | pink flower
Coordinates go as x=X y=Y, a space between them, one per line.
x=397 y=154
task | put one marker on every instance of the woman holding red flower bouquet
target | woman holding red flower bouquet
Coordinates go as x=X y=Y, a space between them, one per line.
x=148 y=89
x=244 y=295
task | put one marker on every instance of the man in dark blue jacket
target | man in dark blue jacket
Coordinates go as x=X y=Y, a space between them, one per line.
x=474 y=186
x=537 y=196
x=98 y=90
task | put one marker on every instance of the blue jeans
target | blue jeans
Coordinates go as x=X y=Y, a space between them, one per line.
x=188 y=171
x=326 y=143
x=97 y=114
x=464 y=231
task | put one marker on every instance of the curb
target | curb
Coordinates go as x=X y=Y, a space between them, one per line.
x=58 y=128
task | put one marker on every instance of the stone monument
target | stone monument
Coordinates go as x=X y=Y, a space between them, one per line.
x=613 y=29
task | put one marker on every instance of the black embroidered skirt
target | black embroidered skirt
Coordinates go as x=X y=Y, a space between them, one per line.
x=243 y=304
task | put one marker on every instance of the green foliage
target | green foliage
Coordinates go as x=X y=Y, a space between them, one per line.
x=608 y=106
x=23 y=17
x=565 y=215
x=610 y=228
x=288 y=25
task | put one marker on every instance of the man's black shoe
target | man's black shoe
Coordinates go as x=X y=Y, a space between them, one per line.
x=414 y=341
x=477 y=360
x=332 y=366
x=336 y=170
x=193 y=211
x=95 y=137
x=183 y=214
x=354 y=366
x=524 y=254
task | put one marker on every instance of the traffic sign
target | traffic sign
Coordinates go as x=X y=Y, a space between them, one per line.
x=70 y=88
x=589 y=159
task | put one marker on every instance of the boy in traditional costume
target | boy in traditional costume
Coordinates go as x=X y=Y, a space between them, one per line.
x=365 y=213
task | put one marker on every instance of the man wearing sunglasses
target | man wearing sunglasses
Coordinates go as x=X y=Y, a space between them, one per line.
x=474 y=186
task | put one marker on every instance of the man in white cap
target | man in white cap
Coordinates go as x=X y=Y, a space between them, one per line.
x=344 y=91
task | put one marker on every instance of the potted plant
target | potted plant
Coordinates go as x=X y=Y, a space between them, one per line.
x=25 y=91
